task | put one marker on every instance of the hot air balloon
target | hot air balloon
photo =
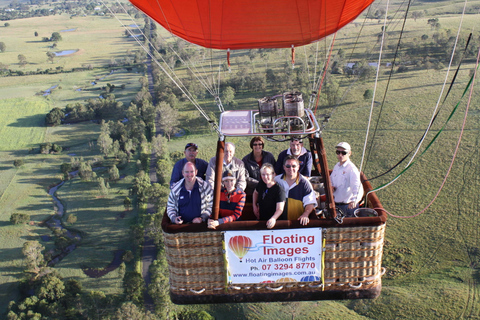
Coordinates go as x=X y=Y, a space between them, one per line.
x=240 y=246
x=248 y=24
x=251 y=24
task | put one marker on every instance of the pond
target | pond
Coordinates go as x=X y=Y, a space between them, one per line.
x=65 y=52
x=68 y=30
x=49 y=90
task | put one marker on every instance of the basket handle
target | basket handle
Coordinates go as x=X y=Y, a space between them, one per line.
x=274 y=289
x=198 y=291
x=355 y=286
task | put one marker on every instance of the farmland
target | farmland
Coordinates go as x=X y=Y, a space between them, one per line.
x=432 y=261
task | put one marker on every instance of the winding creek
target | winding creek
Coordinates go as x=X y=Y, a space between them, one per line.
x=55 y=224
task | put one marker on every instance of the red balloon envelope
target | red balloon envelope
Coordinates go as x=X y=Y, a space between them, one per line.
x=247 y=24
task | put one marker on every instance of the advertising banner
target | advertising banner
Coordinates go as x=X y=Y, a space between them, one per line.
x=264 y=256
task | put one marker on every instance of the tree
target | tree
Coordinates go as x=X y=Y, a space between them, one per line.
x=56 y=37
x=35 y=34
x=22 y=60
x=19 y=218
x=18 y=163
x=164 y=170
x=72 y=218
x=129 y=310
x=51 y=288
x=54 y=117
x=32 y=250
x=141 y=185
x=103 y=186
x=113 y=173
x=133 y=286
x=51 y=56
x=105 y=143
x=6 y=24
x=228 y=95
x=85 y=171
x=3 y=47
x=127 y=203
x=368 y=94
x=159 y=146
x=168 y=119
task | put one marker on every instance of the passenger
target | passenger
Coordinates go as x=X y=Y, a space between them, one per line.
x=191 y=151
x=345 y=178
x=191 y=199
x=229 y=163
x=254 y=160
x=268 y=197
x=299 y=192
x=232 y=201
x=303 y=155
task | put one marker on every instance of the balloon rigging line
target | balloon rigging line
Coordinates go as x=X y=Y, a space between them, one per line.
x=197 y=74
x=376 y=83
x=471 y=86
x=324 y=72
x=386 y=87
x=179 y=84
x=445 y=81
x=436 y=107
x=425 y=132
x=203 y=82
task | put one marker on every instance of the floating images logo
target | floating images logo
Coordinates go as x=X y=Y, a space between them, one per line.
x=240 y=246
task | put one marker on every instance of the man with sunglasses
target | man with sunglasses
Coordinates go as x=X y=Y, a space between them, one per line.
x=345 y=178
x=303 y=155
x=299 y=192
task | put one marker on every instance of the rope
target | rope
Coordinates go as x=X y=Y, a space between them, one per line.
x=410 y=152
x=472 y=82
x=387 y=86
x=376 y=82
x=170 y=73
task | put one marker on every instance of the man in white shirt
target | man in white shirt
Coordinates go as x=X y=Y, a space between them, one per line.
x=345 y=178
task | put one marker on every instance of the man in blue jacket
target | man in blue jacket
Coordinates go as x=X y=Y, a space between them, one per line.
x=191 y=152
x=303 y=155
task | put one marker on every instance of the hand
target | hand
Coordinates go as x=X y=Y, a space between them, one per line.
x=212 y=224
x=197 y=220
x=351 y=205
x=271 y=223
x=304 y=220
x=178 y=220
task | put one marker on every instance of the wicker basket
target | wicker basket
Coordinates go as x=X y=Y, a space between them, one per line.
x=352 y=269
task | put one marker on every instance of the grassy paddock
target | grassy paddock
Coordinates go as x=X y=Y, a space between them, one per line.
x=98 y=39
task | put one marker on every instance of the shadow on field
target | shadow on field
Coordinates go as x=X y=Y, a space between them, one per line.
x=5 y=223
x=5 y=167
x=36 y=120
x=11 y=270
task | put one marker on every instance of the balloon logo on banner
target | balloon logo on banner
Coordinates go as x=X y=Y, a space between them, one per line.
x=310 y=278
x=240 y=245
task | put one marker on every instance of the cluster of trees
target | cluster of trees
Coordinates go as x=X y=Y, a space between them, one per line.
x=48 y=147
x=93 y=109
x=45 y=295
x=20 y=10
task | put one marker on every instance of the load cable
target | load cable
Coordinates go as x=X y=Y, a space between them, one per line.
x=471 y=86
x=435 y=117
x=170 y=73
x=441 y=92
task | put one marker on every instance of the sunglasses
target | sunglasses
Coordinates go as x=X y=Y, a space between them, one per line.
x=288 y=166
x=258 y=144
x=341 y=152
